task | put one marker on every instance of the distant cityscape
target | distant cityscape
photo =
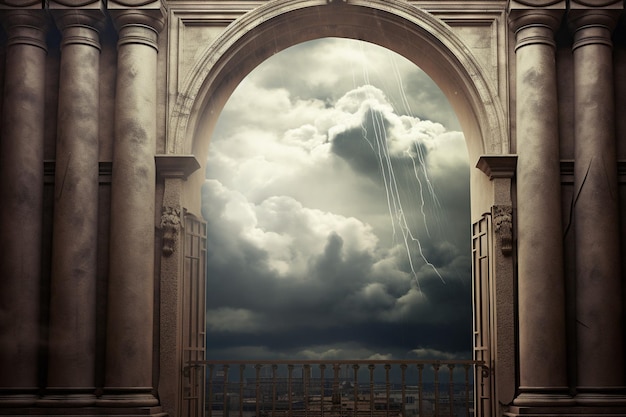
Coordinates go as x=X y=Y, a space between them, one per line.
x=306 y=395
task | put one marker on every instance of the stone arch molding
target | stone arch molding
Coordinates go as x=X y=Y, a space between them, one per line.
x=394 y=24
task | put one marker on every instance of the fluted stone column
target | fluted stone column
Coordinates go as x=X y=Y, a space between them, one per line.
x=599 y=329
x=542 y=352
x=128 y=375
x=21 y=188
x=72 y=337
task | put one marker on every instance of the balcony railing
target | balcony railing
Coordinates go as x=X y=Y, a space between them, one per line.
x=357 y=388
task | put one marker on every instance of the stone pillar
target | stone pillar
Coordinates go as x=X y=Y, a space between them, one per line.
x=541 y=294
x=72 y=338
x=21 y=188
x=130 y=309
x=173 y=171
x=600 y=352
x=501 y=169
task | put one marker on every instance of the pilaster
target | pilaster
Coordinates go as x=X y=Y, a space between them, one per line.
x=501 y=170
x=173 y=170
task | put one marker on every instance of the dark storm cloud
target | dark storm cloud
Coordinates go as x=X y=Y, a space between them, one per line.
x=355 y=146
x=400 y=340
x=303 y=260
x=345 y=298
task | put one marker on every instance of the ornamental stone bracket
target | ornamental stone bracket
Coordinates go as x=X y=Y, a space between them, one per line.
x=170 y=227
x=502 y=216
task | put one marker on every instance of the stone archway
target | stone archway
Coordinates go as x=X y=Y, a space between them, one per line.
x=414 y=33
x=521 y=74
x=402 y=28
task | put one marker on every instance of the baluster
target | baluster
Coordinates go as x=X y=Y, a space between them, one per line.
x=436 y=367
x=274 y=382
x=336 y=398
x=403 y=377
x=241 y=369
x=356 y=389
x=289 y=392
x=371 y=367
x=467 y=389
x=225 y=399
x=451 y=389
x=306 y=369
x=387 y=387
x=211 y=390
x=257 y=384
x=322 y=389
x=420 y=369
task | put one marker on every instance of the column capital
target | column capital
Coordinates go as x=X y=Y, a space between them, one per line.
x=534 y=4
x=21 y=4
x=592 y=26
x=535 y=26
x=613 y=4
x=79 y=26
x=139 y=25
x=25 y=26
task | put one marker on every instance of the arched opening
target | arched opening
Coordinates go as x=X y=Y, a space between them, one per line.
x=395 y=25
x=337 y=218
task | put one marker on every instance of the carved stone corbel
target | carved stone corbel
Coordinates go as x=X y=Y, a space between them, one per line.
x=502 y=216
x=170 y=227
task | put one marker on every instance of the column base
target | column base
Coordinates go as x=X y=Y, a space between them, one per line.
x=597 y=396
x=68 y=397
x=544 y=397
x=19 y=397
x=578 y=411
x=84 y=412
x=127 y=397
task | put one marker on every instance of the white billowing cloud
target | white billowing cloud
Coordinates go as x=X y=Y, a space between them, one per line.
x=251 y=104
x=426 y=353
x=447 y=152
x=345 y=352
x=260 y=162
x=233 y=320
x=291 y=234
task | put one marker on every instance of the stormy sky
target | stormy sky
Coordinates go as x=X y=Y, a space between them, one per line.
x=337 y=202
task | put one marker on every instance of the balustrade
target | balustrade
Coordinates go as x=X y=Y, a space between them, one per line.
x=358 y=388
